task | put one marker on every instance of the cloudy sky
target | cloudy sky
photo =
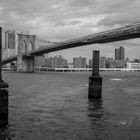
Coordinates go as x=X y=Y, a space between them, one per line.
x=58 y=20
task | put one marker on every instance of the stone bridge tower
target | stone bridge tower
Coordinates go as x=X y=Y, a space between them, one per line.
x=25 y=44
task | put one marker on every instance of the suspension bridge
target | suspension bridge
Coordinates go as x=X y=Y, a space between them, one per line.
x=25 y=53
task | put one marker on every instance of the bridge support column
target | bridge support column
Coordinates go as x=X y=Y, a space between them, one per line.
x=3 y=92
x=25 y=64
x=28 y=64
x=95 y=81
x=19 y=63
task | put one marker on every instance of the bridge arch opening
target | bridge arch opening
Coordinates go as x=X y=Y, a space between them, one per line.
x=30 y=46
x=23 y=46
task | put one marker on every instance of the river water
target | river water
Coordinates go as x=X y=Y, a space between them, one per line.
x=54 y=106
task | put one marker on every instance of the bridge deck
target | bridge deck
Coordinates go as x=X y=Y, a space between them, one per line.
x=127 y=32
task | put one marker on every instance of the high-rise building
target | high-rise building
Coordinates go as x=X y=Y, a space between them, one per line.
x=90 y=63
x=122 y=53
x=119 y=63
x=51 y=61
x=48 y=62
x=117 y=56
x=102 y=62
x=62 y=63
x=10 y=39
x=112 y=63
x=119 y=53
x=79 y=62
x=83 y=63
x=56 y=62
x=39 y=61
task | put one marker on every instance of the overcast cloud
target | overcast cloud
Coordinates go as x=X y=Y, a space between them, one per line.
x=58 y=20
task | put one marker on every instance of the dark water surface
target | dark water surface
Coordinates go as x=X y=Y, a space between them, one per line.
x=54 y=106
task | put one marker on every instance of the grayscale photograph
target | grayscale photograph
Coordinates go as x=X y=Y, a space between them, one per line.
x=69 y=69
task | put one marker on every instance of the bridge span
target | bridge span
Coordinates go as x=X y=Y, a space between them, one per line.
x=124 y=33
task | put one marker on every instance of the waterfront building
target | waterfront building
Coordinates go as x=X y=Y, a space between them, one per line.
x=10 y=39
x=136 y=60
x=79 y=62
x=133 y=65
x=90 y=63
x=83 y=63
x=56 y=62
x=102 y=63
x=111 y=63
x=70 y=65
x=47 y=62
x=117 y=56
x=51 y=62
x=127 y=60
x=119 y=63
x=8 y=48
x=108 y=61
x=62 y=63
x=39 y=61
x=119 y=53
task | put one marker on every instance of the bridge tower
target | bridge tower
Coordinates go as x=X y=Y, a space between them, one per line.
x=26 y=43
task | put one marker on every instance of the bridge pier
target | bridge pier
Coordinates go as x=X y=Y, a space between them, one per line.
x=95 y=81
x=3 y=103
x=19 y=63
x=3 y=92
x=25 y=64
x=28 y=64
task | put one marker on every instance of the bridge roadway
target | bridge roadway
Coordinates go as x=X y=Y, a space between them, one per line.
x=124 y=33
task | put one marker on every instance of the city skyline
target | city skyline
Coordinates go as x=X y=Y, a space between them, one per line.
x=112 y=54
x=119 y=61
